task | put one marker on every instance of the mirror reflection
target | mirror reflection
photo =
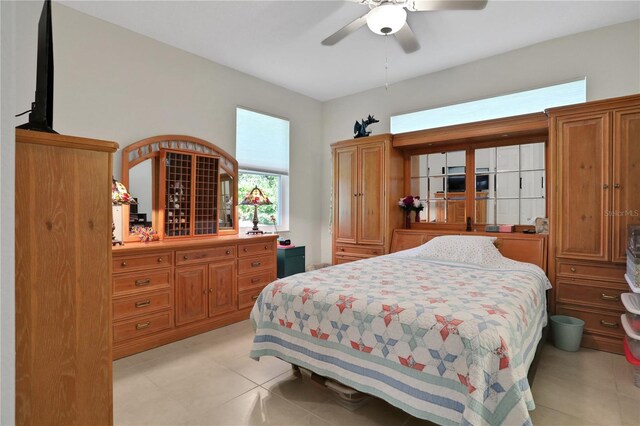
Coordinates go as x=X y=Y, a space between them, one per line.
x=141 y=188
x=226 y=200
x=439 y=180
x=512 y=179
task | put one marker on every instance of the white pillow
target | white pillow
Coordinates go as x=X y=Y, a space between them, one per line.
x=473 y=250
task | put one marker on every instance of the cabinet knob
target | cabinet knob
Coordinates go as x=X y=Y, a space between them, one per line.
x=573 y=269
x=142 y=325
x=605 y=186
x=227 y=252
x=245 y=250
x=123 y=264
x=185 y=257
x=210 y=290
x=205 y=291
x=266 y=247
x=160 y=260
x=608 y=297
x=609 y=324
x=143 y=303
x=616 y=185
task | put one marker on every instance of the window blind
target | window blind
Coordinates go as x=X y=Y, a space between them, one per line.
x=262 y=142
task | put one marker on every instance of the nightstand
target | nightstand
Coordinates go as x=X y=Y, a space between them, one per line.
x=290 y=261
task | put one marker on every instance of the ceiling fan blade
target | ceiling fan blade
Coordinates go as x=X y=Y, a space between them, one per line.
x=407 y=39
x=345 y=31
x=428 y=5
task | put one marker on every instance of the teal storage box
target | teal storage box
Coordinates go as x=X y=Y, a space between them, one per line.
x=290 y=261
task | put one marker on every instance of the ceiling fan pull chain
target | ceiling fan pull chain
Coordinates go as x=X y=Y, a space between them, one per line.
x=386 y=63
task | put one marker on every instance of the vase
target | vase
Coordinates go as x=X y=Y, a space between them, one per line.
x=407 y=221
x=417 y=216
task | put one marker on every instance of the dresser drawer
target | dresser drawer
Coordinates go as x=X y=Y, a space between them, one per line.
x=591 y=271
x=247 y=299
x=142 y=326
x=185 y=257
x=588 y=293
x=141 y=304
x=360 y=251
x=143 y=261
x=259 y=280
x=141 y=281
x=596 y=322
x=256 y=264
x=254 y=249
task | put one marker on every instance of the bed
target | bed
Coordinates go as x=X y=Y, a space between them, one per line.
x=446 y=337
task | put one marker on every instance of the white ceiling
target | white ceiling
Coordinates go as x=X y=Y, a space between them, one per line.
x=279 y=41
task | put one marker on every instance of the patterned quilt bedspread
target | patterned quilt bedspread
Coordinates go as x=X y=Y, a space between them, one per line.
x=446 y=342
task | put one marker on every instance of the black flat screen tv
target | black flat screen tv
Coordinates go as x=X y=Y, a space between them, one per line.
x=41 y=115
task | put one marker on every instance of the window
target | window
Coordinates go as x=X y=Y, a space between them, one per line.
x=262 y=151
x=498 y=107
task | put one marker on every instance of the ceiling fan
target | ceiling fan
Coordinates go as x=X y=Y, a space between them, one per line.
x=388 y=17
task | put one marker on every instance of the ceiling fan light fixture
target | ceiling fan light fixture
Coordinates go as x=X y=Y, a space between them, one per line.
x=386 y=19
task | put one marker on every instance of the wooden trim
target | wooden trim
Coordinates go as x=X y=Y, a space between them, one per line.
x=192 y=243
x=363 y=141
x=64 y=141
x=522 y=126
x=593 y=106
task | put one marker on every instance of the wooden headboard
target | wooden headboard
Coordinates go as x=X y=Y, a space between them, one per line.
x=531 y=248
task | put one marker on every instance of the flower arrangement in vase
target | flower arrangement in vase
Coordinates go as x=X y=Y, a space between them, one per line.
x=410 y=204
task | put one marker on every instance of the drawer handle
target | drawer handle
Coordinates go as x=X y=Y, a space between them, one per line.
x=254 y=297
x=143 y=303
x=573 y=269
x=123 y=264
x=342 y=249
x=227 y=252
x=160 y=260
x=254 y=264
x=245 y=249
x=266 y=247
x=607 y=297
x=609 y=324
x=143 y=325
x=256 y=280
x=185 y=257
x=140 y=283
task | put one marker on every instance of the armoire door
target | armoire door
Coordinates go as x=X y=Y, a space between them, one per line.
x=584 y=186
x=222 y=288
x=371 y=194
x=345 y=194
x=626 y=177
x=192 y=294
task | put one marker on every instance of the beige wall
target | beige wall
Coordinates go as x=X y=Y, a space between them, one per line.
x=608 y=57
x=114 y=84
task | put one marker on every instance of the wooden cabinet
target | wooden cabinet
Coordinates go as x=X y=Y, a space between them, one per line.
x=63 y=269
x=168 y=290
x=368 y=182
x=596 y=161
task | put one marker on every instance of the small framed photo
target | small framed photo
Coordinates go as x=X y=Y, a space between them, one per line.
x=542 y=225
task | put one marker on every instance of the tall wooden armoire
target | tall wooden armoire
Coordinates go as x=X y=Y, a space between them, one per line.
x=595 y=157
x=368 y=180
x=63 y=280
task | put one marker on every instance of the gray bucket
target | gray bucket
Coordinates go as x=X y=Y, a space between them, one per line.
x=567 y=332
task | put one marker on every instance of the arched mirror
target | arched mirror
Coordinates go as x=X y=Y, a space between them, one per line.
x=184 y=187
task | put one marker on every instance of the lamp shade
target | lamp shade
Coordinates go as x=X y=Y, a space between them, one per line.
x=386 y=19
x=120 y=195
x=255 y=197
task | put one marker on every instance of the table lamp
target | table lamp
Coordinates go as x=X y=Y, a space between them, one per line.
x=255 y=198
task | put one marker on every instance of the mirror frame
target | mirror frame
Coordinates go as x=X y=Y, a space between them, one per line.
x=150 y=148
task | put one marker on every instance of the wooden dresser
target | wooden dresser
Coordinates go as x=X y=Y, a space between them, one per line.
x=595 y=157
x=368 y=180
x=63 y=272
x=167 y=290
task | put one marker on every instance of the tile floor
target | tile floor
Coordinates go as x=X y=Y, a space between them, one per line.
x=209 y=379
